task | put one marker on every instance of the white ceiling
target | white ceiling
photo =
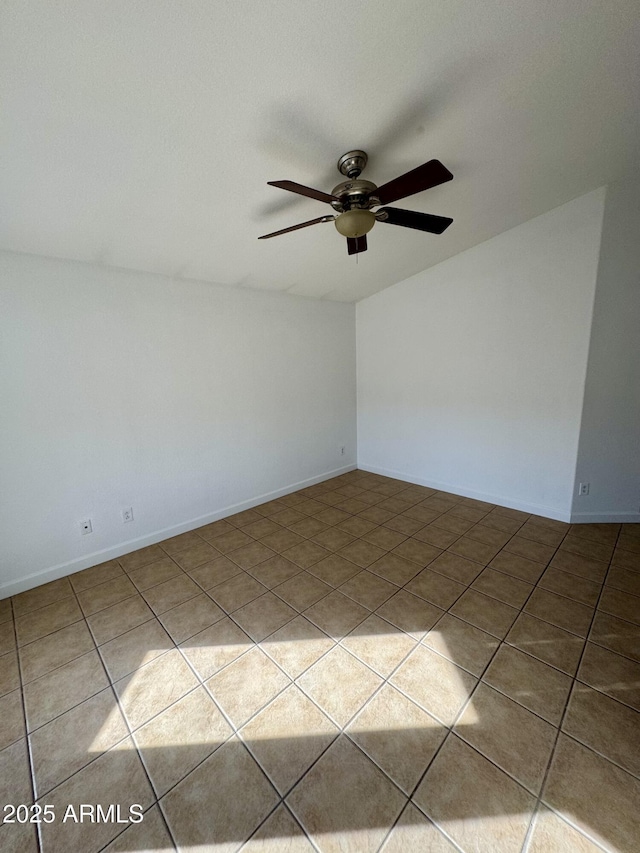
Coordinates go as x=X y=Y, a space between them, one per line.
x=142 y=134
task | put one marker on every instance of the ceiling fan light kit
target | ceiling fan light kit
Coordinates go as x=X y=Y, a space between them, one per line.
x=354 y=199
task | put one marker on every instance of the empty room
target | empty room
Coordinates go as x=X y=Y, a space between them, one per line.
x=318 y=534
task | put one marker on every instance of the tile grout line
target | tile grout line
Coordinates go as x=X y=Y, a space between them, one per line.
x=539 y=800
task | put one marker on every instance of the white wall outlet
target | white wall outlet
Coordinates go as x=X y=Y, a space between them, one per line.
x=127 y=514
x=85 y=527
x=583 y=489
x=342 y=451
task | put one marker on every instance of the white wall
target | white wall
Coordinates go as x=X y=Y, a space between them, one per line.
x=471 y=373
x=183 y=400
x=609 y=450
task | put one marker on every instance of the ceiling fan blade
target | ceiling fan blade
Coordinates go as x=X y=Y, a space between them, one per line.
x=355 y=245
x=428 y=175
x=302 y=190
x=413 y=219
x=295 y=227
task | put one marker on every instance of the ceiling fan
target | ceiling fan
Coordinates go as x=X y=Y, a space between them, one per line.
x=354 y=199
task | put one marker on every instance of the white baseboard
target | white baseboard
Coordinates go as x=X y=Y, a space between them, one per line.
x=536 y=509
x=605 y=517
x=88 y=560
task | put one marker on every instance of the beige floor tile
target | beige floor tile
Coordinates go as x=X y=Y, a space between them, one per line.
x=68 y=743
x=283 y=540
x=410 y=613
x=309 y=527
x=339 y=684
x=11 y=718
x=612 y=674
x=115 y=778
x=15 y=774
x=6 y=611
x=595 y=795
x=178 y=739
x=297 y=645
x=456 y=568
x=395 y=569
x=178 y=543
x=333 y=516
x=620 y=604
x=504 y=587
x=616 y=634
x=40 y=596
x=263 y=616
x=435 y=588
x=587 y=548
x=105 y=594
x=546 y=642
x=302 y=590
x=332 y=539
x=500 y=522
x=552 y=833
x=284 y=516
x=470 y=513
x=231 y=541
x=247 y=685
x=593 y=570
x=403 y=524
x=334 y=570
x=527 y=680
x=398 y=735
x=196 y=555
x=244 y=518
x=506 y=733
x=484 y=612
x=336 y=614
x=9 y=673
x=472 y=549
x=45 y=621
x=215 y=572
x=212 y=531
x=379 y=644
x=435 y=683
x=628 y=542
x=149 y=835
x=462 y=643
x=384 y=538
x=517 y=566
x=418 y=552
x=626 y=559
x=253 y=554
x=376 y=514
x=453 y=523
x=137 y=647
x=414 y=831
x=63 y=688
x=361 y=553
x=155 y=573
x=235 y=805
x=536 y=551
x=169 y=594
x=215 y=647
x=560 y=611
x=55 y=650
x=605 y=725
x=345 y=802
x=488 y=535
x=368 y=589
x=624 y=579
x=571 y=586
x=18 y=838
x=436 y=536
x=141 y=557
x=356 y=526
x=274 y=571
x=236 y=592
x=607 y=533
x=119 y=618
x=262 y=528
x=474 y=802
x=154 y=687
x=541 y=533
x=306 y=554
x=287 y=736
x=190 y=617
x=280 y=833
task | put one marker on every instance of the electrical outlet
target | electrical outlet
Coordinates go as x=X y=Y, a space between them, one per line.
x=583 y=489
x=85 y=527
x=127 y=514
x=342 y=449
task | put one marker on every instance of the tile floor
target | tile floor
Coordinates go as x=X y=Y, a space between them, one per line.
x=361 y=665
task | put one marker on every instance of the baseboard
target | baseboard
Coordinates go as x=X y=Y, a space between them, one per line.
x=605 y=517
x=88 y=560
x=535 y=509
